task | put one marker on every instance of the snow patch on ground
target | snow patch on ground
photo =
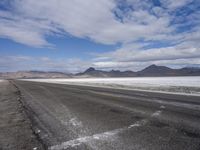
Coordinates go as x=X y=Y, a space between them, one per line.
x=75 y=122
x=101 y=136
x=162 y=107
x=87 y=139
x=157 y=113
x=134 y=125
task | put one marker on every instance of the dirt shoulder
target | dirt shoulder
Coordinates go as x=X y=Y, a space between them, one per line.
x=15 y=127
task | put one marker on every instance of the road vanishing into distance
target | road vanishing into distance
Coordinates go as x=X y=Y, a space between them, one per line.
x=92 y=118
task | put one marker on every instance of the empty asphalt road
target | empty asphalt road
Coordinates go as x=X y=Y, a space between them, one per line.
x=91 y=118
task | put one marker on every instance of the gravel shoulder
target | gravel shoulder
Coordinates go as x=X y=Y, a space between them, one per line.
x=15 y=128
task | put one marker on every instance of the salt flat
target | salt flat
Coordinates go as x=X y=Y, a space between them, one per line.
x=188 y=85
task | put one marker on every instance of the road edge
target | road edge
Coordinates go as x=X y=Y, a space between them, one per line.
x=27 y=116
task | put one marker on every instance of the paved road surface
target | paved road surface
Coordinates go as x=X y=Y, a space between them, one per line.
x=77 y=117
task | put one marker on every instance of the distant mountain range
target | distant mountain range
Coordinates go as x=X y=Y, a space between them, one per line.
x=92 y=72
x=150 y=71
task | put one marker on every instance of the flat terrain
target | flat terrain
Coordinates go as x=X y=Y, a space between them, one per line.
x=184 y=85
x=80 y=117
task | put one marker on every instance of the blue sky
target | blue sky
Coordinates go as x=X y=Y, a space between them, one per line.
x=71 y=36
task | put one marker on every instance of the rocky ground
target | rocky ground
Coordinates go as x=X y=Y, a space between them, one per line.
x=15 y=128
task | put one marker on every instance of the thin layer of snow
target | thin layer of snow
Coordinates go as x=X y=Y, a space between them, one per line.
x=134 y=125
x=157 y=113
x=162 y=107
x=86 y=139
x=168 y=84
x=101 y=136
x=75 y=122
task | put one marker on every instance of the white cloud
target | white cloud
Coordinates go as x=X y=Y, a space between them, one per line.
x=27 y=63
x=174 y=4
x=22 y=30
x=138 y=25
x=135 y=57
x=136 y=66
x=166 y=53
x=31 y=21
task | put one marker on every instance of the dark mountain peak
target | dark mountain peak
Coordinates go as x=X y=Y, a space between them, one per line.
x=91 y=69
x=155 y=67
x=115 y=71
x=154 y=70
x=152 y=66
